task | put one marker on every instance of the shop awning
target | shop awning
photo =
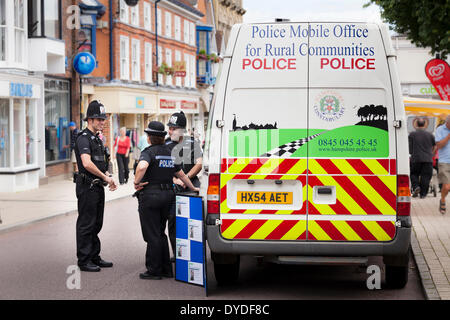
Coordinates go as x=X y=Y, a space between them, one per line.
x=427 y=107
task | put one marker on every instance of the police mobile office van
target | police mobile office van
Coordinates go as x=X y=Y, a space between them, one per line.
x=306 y=158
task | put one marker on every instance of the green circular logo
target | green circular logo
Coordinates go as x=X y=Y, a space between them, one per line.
x=329 y=105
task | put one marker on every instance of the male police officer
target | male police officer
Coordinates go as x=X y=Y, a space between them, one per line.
x=188 y=153
x=92 y=176
x=153 y=180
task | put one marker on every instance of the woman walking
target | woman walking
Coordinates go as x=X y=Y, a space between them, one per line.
x=123 y=145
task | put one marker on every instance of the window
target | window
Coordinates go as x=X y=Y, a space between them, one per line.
x=44 y=19
x=148 y=62
x=192 y=34
x=135 y=60
x=124 y=58
x=187 y=80
x=52 y=25
x=168 y=24
x=186 y=31
x=178 y=59
x=4 y=133
x=169 y=64
x=159 y=13
x=177 y=28
x=123 y=11
x=135 y=15
x=147 y=16
x=19 y=31
x=192 y=71
x=2 y=31
x=57 y=116
x=31 y=133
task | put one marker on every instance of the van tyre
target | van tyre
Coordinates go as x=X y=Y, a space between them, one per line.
x=227 y=273
x=396 y=277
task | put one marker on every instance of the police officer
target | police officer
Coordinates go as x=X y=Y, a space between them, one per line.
x=188 y=153
x=153 y=180
x=90 y=180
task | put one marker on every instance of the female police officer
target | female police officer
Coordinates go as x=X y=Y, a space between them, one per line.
x=153 y=179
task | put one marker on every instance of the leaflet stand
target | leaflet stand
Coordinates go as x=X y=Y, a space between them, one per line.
x=190 y=265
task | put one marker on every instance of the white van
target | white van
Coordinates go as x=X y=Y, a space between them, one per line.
x=307 y=156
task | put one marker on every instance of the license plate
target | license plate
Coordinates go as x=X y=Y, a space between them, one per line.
x=264 y=197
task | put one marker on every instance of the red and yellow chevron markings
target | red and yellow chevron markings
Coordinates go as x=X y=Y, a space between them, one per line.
x=365 y=191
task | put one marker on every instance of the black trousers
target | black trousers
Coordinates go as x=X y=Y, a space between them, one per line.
x=122 y=163
x=153 y=213
x=91 y=205
x=421 y=173
x=172 y=219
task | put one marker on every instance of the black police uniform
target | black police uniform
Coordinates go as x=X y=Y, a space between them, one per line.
x=91 y=197
x=90 y=193
x=154 y=203
x=186 y=154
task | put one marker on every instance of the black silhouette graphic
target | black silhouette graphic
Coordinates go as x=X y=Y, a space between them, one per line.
x=373 y=116
x=253 y=126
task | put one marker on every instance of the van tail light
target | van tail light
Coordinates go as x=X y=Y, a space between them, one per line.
x=213 y=199
x=403 y=195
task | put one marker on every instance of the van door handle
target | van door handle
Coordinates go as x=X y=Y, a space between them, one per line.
x=251 y=181
x=324 y=190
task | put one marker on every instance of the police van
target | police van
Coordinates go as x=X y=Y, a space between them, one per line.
x=306 y=157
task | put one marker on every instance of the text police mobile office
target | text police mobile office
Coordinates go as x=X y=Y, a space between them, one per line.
x=308 y=148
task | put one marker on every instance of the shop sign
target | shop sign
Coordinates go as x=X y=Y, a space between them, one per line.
x=179 y=68
x=140 y=103
x=20 y=90
x=190 y=105
x=438 y=71
x=167 y=104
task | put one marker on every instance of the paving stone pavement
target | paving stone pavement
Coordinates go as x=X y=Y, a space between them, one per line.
x=431 y=246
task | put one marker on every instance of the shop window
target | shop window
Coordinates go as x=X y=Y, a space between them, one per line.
x=30 y=129
x=19 y=132
x=44 y=18
x=4 y=133
x=57 y=117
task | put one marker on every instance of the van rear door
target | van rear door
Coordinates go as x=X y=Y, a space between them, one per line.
x=262 y=183
x=352 y=164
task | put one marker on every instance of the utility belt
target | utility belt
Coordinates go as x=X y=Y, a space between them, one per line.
x=85 y=179
x=157 y=186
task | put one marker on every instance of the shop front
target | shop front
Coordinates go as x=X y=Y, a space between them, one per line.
x=21 y=140
x=171 y=103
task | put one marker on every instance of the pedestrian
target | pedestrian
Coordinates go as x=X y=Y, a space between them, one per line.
x=90 y=182
x=123 y=144
x=188 y=153
x=142 y=144
x=73 y=138
x=153 y=180
x=421 y=147
x=442 y=142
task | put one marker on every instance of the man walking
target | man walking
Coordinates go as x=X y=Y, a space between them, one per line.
x=443 y=144
x=90 y=181
x=421 y=147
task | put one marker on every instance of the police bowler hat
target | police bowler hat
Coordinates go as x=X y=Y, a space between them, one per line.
x=177 y=120
x=156 y=128
x=95 y=111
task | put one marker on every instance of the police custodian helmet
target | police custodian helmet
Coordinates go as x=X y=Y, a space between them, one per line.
x=177 y=120
x=95 y=111
x=155 y=128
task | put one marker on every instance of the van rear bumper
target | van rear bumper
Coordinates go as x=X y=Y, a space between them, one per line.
x=398 y=246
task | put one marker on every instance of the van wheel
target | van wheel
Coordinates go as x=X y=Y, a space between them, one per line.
x=227 y=273
x=397 y=276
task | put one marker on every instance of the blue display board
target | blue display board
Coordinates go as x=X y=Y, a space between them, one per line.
x=190 y=253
